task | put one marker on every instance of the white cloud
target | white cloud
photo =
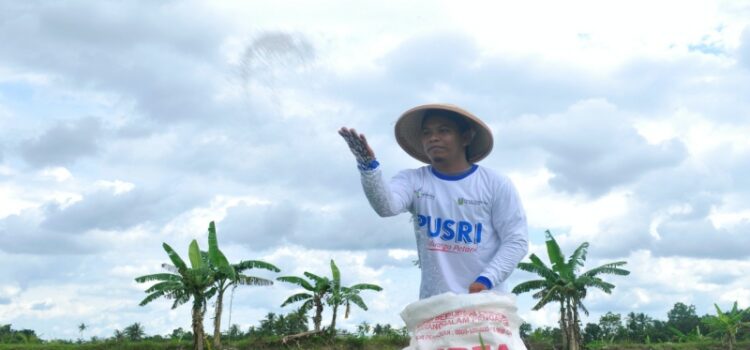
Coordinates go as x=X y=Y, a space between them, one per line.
x=117 y=186
x=59 y=174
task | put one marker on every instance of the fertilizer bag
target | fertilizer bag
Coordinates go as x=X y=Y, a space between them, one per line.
x=452 y=321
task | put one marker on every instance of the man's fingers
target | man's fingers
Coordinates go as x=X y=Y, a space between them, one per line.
x=363 y=139
x=357 y=143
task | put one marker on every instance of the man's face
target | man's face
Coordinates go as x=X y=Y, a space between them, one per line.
x=442 y=140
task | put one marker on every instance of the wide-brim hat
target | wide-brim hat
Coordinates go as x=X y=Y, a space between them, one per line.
x=409 y=130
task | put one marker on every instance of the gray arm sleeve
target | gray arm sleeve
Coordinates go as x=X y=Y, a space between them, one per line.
x=388 y=199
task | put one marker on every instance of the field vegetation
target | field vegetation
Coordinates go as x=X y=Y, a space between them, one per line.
x=209 y=275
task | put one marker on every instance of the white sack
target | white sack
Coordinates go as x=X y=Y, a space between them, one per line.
x=452 y=321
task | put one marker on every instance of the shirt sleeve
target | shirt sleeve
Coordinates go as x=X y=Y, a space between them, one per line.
x=509 y=221
x=388 y=199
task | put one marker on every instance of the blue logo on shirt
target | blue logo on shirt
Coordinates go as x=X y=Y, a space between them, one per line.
x=451 y=230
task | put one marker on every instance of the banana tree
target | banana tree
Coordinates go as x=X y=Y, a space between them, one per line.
x=561 y=284
x=181 y=284
x=317 y=289
x=228 y=275
x=345 y=296
x=727 y=324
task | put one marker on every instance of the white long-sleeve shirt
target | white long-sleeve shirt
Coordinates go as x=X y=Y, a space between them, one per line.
x=466 y=226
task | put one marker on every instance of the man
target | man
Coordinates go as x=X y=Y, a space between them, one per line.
x=469 y=222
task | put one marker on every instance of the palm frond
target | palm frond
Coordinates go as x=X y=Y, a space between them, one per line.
x=366 y=286
x=174 y=257
x=599 y=284
x=539 y=267
x=357 y=300
x=157 y=277
x=296 y=297
x=540 y=294
x=194 y=253
x=296 y=280
x=718 y=310
x=306 y=306
x=255 y=264
x=211 y=292
x=542 y=303
x=578 y=256
x=528 y=286
x=317 y=279
x=165 y=286
x=336 y=274
x=549 y=296
x=582 y=307
x=554 y=252
x=253 y=281
x=151 y=297
x=216 y=256
x=170 y=268
x=610 y=269
x=180 y=299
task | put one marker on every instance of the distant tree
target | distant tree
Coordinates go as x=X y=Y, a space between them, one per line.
x=119 y=336
x=550 y=335
x=611 y=326
x=639 y=326
x=5 y=333
x=280 y=325
x=234 y=331
x=744 y=333
x=591 y=332
x=267 y=325
x=12 y=336
x=180 y=334
x=683 y=318
x=27 y=336
x=363 y=329
x=524 y=329
x=81 y=327
x=379 y=329
x=294 y=323
x=660 y=332
x=134 y=332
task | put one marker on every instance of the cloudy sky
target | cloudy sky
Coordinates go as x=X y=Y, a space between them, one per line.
x=127 y=124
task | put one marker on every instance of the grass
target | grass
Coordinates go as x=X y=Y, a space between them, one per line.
x=266 y=343
x=346 y=342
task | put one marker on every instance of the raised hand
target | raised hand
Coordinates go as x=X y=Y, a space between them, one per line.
x=359 y=147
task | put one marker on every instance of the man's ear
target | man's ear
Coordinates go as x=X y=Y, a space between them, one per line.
x=468 y=136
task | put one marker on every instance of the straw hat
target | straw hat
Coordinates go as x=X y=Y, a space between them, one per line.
x=409 y=131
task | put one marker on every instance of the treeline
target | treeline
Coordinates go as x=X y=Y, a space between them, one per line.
x=9 y=335
x=682 y=325
x=269 y=333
